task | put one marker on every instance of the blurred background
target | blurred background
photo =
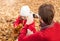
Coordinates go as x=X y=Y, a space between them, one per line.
x=10 y=10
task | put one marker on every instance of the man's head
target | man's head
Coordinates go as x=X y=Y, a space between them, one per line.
x=46 y=12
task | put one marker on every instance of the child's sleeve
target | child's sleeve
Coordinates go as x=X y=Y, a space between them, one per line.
x=16 y=22
x=23 y=33
x=32 y=27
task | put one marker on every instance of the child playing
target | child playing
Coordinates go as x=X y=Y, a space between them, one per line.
x=25 y=18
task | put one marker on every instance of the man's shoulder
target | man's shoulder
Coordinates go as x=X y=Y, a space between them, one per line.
x=54 y=27
x=57 y=23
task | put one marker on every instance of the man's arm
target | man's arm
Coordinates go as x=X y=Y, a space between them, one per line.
x=34 y=37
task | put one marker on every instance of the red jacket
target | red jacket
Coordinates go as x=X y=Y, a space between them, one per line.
x=18 y=21
x=30 y=26
x=24 y=30
x=50 y=34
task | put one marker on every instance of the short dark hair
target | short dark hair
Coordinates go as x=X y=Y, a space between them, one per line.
x=46 y=11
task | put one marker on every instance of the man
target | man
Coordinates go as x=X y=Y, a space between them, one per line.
x=50 y=30
x=25 y=18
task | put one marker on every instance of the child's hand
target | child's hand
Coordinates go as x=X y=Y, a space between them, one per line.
x=29 y=32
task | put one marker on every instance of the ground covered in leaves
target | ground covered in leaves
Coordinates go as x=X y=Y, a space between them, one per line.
x=10 y=10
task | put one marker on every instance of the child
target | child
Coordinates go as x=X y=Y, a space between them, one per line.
x=26 y=18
